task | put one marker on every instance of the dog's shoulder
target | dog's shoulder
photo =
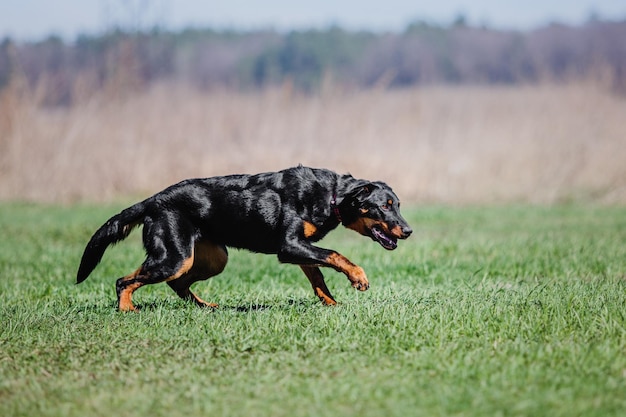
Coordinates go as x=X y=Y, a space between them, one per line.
x=307 y=185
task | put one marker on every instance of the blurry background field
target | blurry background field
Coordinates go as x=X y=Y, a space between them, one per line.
x=540 y=144
x=445 y=113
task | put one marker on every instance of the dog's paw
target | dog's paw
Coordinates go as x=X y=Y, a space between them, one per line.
x=359 y=279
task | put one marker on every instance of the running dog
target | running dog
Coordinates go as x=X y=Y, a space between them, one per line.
x=188 y=226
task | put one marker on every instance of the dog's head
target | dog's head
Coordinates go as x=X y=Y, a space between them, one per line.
x=373 y=209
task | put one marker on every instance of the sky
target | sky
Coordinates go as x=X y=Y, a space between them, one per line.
x=37 y=19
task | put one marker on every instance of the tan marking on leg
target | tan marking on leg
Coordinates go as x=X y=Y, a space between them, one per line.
x=184 y=268
x=316 y=278
x=355 y=273
x=125 y=297
x=125 y=301
x=209 y=260
x=181 y=287
x=200 y=302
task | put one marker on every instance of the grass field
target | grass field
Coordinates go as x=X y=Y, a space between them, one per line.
x=510 y=311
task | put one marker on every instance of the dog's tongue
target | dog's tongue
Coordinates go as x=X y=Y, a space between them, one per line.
x=385 y=241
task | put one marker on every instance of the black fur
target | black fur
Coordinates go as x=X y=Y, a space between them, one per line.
x=280 y=213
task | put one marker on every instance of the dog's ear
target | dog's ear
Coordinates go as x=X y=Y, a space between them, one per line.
x=361 y=192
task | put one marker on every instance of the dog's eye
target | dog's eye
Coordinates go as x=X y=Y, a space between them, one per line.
x=385 y=207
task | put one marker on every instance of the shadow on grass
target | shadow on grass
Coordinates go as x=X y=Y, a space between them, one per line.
x=288 y=304
x=155 y=305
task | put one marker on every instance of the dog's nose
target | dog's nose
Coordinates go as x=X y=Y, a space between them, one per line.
x=406 y=231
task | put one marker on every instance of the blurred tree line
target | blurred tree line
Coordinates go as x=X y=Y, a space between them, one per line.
x=119 y=61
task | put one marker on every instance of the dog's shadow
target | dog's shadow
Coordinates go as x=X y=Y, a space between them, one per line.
x=156 y=305
x=248 y=308
x=286 y=305
x=241 y=308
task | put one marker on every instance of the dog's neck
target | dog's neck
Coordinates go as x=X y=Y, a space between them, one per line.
x=339 y=202
x=334 y=207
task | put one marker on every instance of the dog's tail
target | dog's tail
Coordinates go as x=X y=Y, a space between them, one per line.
x=115 y=229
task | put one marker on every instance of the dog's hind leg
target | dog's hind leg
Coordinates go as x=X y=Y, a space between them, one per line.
x=316 y=278
x=125 y=286
x=169 y=255
x=181 y=287
x=209 y=260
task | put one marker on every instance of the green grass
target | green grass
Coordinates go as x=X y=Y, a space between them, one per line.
x=510 y=311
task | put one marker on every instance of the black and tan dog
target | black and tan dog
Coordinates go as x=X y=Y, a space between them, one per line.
x=187 y=227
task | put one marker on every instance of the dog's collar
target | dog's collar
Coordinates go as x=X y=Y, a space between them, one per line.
x=333 y=205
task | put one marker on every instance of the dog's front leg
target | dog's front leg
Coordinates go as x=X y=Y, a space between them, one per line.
x=316 y=278
x=303 y=253
x=355 y=273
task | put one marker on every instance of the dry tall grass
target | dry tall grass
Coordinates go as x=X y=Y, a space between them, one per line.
x=452 y=145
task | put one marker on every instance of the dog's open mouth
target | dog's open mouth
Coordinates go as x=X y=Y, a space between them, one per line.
x=386 y=241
